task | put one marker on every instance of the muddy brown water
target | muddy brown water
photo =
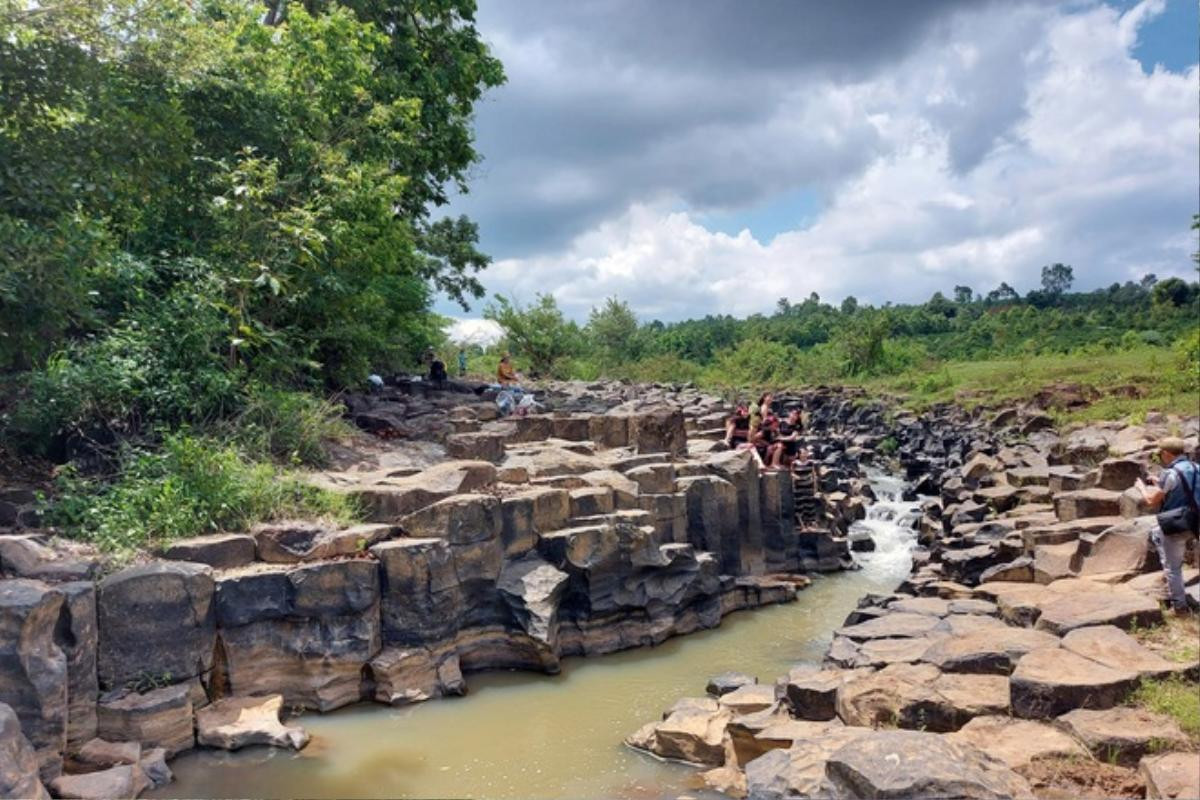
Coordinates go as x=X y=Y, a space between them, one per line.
x=525 y=735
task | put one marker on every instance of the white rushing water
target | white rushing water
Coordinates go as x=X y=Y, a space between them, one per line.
x=523 y=735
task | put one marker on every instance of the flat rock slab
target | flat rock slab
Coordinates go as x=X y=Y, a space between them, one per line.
x=1113 y=647
x=1172 y=776
x=121 y=781
x=1017 y=742
x=218 y=550
x=1067 y=611
x=1123 y=734
x=989 y=652
x=890 y=626
x=798 y=771
x=812 y=693
x=920 y=696
x=749 y=699
x=726 y=682
x=897 y=764
x=1053 y=681
x=693 y=732
x=236 y=722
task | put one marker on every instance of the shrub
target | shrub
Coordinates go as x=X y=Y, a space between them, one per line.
x=1176 y=697
x=287 y=426
x=190 y=486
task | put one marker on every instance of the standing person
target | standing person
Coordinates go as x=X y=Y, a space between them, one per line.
x=462 y=363
x=1175 y=495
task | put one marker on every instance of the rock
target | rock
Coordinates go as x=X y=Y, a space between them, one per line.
x=799 y=770
x=218 y=550
x=1083 y=503
x=1112 y=647
x=412 y=675
x=881 y=652
x=749 y=699
x=591 y=501
x=979 y=466
x=1171 y=775
x=100 y=754
x=18 y=762
x=694 y=733
x=236 y=722
x=1122 y=735
x=1117 y=474
x=1123 y=549
x=121 y=781
x=659 y=430
x=917 y=764
x=1017 y=570
x=159 y=718
x=533 y=590
x=78 y=640
x=1067 y=611
x=1052 y=681
x=294 y=541
x=154 y=766
x=477 y=446
x=155 y=621
x=460 y=520
x=992 y=652
x=24 y=556
x=726 y=682
x=811 y=693
x=919 y=696
x=389 y=498
x=420 y=597
x=1017 y=742
x=895 y=625
x=654 y=478
x=33 y=667
x=1052 y=562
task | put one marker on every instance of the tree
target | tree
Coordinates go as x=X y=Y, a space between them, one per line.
x=1057 y=279
x=963 y=295
x=1174 y=292
x=613 y=331
x=1003 y=294
x=861 y=342
x=538 y=332
x=938 y=304
x=850 y=305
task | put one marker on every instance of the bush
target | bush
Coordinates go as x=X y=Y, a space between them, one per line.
x=192 y=485
x=289 y=427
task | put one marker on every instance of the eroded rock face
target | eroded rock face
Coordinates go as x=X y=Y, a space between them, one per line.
x=125 y=780
x=158 y=718
x=403 y=675
x=1018 y=742
x=919 y=696
x=693 y=732
x=916 y=764
x=236 y=722
x=18 y=762
x=1122 y=735
x=1171 y=776
x=218 y=550
x=1052 y=681
x=78 y=638
x=155 y=621
x=33 y=667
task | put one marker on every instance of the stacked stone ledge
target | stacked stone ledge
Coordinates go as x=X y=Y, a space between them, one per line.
x=571 y=533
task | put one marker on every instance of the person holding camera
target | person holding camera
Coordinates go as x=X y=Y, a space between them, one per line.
x=1175 y=495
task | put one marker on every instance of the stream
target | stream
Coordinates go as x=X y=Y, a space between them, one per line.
x=526 y=735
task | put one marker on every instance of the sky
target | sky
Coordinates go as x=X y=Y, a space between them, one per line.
x=697 y=157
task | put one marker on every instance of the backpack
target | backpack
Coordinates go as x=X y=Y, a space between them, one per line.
x=1185 y=518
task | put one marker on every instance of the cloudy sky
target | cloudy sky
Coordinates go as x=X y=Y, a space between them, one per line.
x=710 y=156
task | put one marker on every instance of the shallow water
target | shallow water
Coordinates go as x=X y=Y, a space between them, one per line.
x=526 y=735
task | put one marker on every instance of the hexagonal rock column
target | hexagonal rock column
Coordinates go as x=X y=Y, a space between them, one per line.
x=18 y=762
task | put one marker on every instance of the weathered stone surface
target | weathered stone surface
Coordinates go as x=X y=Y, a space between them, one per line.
x=659 y=430
x=1017 y=570
x=1122 y=549
x=119 y=781
x=1122 y=735
x=881 y=652
x=979 y=466
x=1052 y=681
x=154 y=620
x=154 y=766
x=916 y=764
x=24 y=556
x=1052 y=562
x=1067 y=611
x=1171 y=776
x=533 y=589
x=749 y=699
x=919 y=696
x=726 y=682
x=159 y=718
x=799 y=770
x=294 y=541
x=654 y=478
x=405 y=675
x=1116 y=474
x=811 y=693
x=19 y=776
x=101 y=754
x=236 y=722
x=389 y=498
x=992 y=651
x=1114 y=648
x=1017 y=742
x=461 y=520
x=888 y=626
x=420 y=598
x=1083 y=503
x=476 y=446
x=218 y=550
x=33 y=667
x=625 y=491
x=591 y=501
x=693 y=733
x=315 y=651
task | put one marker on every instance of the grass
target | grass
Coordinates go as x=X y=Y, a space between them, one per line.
x=1153 y=371
x=1174 y=697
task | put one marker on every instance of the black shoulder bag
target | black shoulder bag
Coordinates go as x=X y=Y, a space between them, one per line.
x=1185 y=519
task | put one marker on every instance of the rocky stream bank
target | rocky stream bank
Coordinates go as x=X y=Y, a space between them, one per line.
x=616 y=518
x=1003 y=665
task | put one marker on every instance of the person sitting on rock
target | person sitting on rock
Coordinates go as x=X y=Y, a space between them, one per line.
x=765 y=443
x=1178 y=487
x=758 y=412
x=737 y=427
x=505 y=374
x=789 y=436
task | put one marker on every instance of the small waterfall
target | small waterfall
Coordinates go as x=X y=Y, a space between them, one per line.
x=890 y=524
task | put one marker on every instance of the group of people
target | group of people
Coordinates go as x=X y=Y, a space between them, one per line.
x=774 y=442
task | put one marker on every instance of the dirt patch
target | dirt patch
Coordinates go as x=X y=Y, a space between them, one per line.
x=1177 y=639
x=1082 y=779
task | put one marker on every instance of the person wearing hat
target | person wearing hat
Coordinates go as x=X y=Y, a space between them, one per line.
x=1175 y=495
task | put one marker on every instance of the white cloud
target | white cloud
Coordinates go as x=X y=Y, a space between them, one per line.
x=474 y=331
x=1010 y=140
